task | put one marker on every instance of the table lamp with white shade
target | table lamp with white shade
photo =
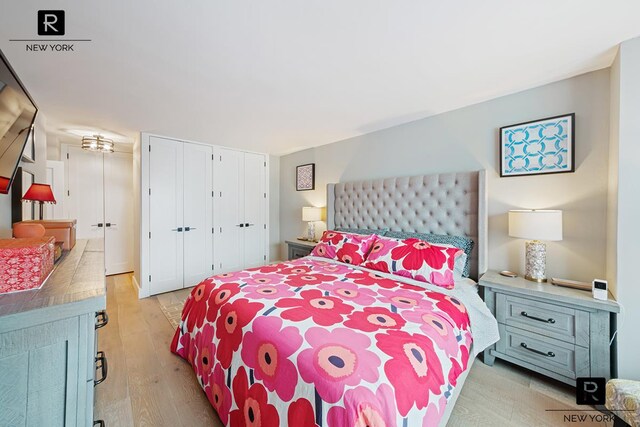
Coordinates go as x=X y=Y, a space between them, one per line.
x=536 y=225
x=310 y=215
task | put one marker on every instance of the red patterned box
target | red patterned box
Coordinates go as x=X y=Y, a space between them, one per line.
x=25 y=263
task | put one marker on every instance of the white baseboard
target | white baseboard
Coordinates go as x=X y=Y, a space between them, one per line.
x=137 y=287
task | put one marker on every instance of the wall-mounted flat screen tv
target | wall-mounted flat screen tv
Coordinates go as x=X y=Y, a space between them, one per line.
x=17 y=113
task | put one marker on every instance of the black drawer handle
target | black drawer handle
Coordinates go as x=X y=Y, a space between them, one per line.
x=102 y=318
x=99 y=423
x=549 y=320
x=101 y=365
x=547 y=354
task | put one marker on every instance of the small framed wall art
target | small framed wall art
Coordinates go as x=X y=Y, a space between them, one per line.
x=538 y=147
x=306 y=177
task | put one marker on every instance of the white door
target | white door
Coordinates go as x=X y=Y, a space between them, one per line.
x=228 y=208
x=165 y=215
x=85 y=192
x=198 y=213
x=118 y=199
x=254 y=194
x=55 y=178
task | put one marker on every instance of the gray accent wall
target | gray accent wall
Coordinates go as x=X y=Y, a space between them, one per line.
x=467 y=139
x=624 y=202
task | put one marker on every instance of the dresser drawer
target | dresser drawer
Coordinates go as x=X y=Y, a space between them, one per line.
x=555 y=321
x=557 y=356
x=296 y=252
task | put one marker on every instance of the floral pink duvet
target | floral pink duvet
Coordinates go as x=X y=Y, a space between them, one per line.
x=308 y=343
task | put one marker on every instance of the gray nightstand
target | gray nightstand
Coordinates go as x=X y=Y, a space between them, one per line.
x=299 y=248
x=559 y=332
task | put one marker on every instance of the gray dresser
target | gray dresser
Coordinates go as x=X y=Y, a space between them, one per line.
x=49 y=361
x=559 y=332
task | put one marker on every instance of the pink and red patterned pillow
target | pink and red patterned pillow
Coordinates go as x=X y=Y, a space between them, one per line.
x=416 y=259
x=344 y=247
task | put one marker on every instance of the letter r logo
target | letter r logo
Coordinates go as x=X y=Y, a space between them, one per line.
x=590 y=391
x=51 y=22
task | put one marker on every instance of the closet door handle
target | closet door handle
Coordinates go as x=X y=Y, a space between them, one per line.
x=109 y=224
x=248 y=225
x=240 y=225
x=189 y=228
x=179 y=229
x=97 y=225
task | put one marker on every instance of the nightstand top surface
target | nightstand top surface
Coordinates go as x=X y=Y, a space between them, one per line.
x=493 y=279
x=301 y=243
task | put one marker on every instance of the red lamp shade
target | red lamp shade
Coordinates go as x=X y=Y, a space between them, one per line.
x=4 y=185
x=39 y=193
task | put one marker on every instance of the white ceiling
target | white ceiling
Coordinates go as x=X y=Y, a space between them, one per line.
x=279 y=76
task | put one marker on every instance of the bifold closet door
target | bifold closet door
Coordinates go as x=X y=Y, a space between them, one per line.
x=165 y=215
x=254 y=193
x=85 y=192
x=198 y=213
x=228 y=214
x=118 y=214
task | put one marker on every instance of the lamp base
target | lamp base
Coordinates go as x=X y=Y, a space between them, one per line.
x=533 y=279
x=311 y=231
x=535 y=261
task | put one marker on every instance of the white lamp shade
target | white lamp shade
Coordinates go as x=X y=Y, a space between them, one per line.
x=536 y=224
x=311 y=214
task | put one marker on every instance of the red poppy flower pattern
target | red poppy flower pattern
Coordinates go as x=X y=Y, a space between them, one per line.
x=323 y=310
x=415 y=259
x=318 y=343
x=345 y=247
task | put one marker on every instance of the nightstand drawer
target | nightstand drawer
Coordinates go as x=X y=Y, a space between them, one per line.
x=556 y=356
x=555 y=321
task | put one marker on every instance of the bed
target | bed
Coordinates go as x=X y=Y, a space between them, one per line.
x=319 y=342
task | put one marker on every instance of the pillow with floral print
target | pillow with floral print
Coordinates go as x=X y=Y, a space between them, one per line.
x=416 y=259
x=344 y=247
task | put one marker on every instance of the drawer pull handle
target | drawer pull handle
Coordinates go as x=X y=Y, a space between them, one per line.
x=548 y=353
x=99 y=423
x=102 y=318
x=101 y=365
x=539 y=319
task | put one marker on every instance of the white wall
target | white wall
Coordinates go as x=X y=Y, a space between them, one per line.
x=38 y=168
x=467 y=139
x=625 y=207
x=137 y=198
x=274 y=208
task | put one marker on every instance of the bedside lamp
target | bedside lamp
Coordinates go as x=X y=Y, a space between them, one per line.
x=39 y=193
x=310 y=215
x=535 y=225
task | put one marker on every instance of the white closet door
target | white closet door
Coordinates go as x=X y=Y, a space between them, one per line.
x=228 y=210
x=55 y=178
x=165 y=215
x=118 y=198
x=254 y=210
x=85 y=197
x=198 y=213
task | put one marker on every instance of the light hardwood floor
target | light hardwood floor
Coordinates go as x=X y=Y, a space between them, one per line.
x=149 y=386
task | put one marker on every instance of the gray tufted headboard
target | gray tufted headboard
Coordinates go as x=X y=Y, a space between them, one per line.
x=449 y=203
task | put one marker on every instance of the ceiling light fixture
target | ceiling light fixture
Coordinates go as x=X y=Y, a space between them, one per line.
x=97 y=143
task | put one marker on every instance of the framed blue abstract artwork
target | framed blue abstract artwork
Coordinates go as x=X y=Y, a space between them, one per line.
x=538 y=147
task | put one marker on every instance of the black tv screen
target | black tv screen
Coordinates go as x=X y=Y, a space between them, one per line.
x=17 y=113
